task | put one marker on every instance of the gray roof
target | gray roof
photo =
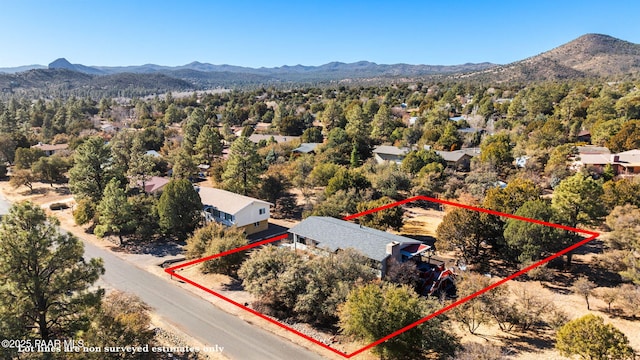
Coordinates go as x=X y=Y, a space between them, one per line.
x=337 y=234
x=456 y=155
x=591 y=149
x=306 y=148
x=390 y=150
x=153 y=153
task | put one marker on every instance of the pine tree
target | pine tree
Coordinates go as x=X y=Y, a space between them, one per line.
x=208 y=145
x=141 y=165
x=179 y=208
x=114 y=212
x=243 y=167
x=90 y=172
x=44 y=278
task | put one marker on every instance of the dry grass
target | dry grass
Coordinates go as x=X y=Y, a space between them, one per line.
x=422 y=222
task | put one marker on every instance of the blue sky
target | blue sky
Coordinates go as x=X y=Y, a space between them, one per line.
x=274 y=33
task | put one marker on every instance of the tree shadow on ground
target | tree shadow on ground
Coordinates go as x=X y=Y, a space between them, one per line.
x=233 y=285
x=36 y=191
x=273 y=230
x=595 y=246
x=62 y=190
x=528 y=342
x=158 y=248
x=429 y=240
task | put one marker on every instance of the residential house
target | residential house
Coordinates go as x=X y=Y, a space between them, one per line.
x=51 y=149
x=306 y=148
x=155 y=184
x=459 y=159
x=584 y=136
x=108 y=128
x=592 y=149
x=231 y=209
x=387 y=153
x=521 y=161
x=262 y=127
x=203 y=171
x=624 y=163
x=323 y=234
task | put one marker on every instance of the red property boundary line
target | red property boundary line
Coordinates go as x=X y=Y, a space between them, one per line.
x=592 y=235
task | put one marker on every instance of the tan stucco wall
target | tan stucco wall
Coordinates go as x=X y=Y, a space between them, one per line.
x=252 y=229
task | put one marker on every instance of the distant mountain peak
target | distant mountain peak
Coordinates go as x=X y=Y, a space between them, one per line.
x=587 y=56
x=61 y=63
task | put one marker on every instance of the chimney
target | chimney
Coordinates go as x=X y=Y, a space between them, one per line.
x=615 y=158
x=393 y=249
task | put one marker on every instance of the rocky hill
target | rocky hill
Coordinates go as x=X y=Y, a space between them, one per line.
x=591 y=55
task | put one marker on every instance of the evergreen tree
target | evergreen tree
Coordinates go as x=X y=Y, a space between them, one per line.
x=50 y=169
x=208 y=145
x=141 y=165
x=528 y=241
x=114 y=212
x=214 y=239
x=179 y=208
x=195 y=122
x=591 y=339
x=373 y=311
x=243 y=167
x=90 y=172
x=44 y=278
x=183 y=166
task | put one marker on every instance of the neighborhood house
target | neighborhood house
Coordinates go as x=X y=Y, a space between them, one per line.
x=330 y=235
x=455 y=159
x=50 y=149
x=154 y=184
x=231 y=209
x=624 y=163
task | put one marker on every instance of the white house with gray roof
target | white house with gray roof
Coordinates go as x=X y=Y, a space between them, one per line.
x=330 y=234
x=388 y=153
x=231 y=209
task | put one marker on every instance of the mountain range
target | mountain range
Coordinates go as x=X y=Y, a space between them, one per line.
x=591 y=55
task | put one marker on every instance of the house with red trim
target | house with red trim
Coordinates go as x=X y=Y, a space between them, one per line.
x=626 y=163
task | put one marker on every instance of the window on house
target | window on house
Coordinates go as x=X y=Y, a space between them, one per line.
x=262 y=211
x=256 y=224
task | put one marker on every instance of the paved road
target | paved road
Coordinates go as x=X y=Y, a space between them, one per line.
x=191 y=314
x=195 y=316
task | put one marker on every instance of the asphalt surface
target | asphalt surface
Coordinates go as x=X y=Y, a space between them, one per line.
x=195 y=316
x=191 y=314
